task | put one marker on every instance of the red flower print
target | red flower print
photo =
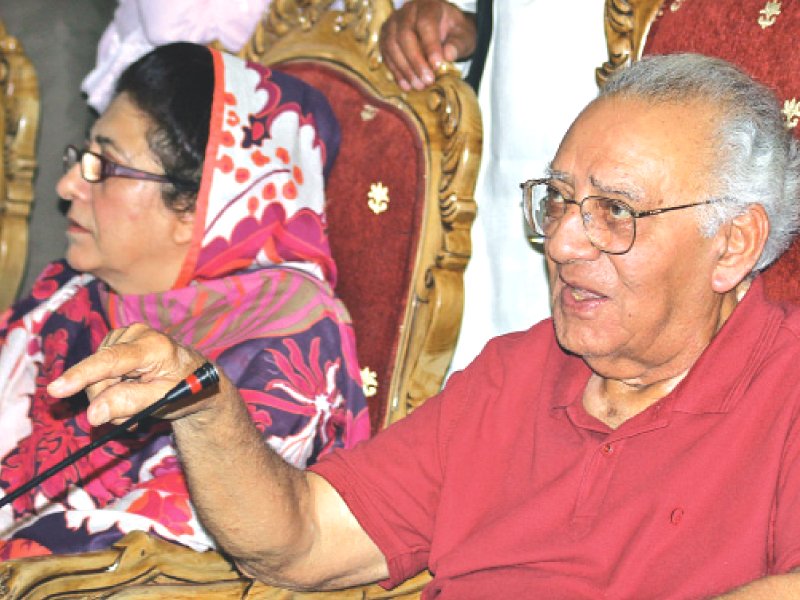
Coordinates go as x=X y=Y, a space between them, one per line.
x=102 y=473
x=44 y=285
x=21 y=549
x=55 y=346
x=172 y=511
x=44 y=289
x=79 y=307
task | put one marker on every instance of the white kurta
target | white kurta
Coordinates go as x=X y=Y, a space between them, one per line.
x=539 y=74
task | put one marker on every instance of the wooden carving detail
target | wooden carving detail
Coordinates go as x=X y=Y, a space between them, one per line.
x=627 y=23
x=439 y=299
x=286 y=15
x=143 y=566
x=619 y=32
x=360 y=17
x=19 y=101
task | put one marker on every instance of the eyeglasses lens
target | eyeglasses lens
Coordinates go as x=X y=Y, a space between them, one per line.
x=70 y=158
x=92 y=165
x=609 y=224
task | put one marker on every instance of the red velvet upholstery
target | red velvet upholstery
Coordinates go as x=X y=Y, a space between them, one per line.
x=730 y=29
x=375 y=254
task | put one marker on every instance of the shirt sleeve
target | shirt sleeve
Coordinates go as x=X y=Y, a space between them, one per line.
x=392 y=483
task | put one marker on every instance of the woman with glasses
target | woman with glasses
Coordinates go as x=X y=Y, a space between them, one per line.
x=196 y=206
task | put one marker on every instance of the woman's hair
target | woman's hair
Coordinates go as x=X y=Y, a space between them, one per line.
x=758 y=158
x=174 y=86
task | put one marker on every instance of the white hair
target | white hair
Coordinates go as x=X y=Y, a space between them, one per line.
x=759 y=159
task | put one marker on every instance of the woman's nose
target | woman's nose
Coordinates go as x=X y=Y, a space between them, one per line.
x=569 y=241
x=72 y=186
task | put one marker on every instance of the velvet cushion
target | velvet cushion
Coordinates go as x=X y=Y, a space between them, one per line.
x=374 y=253
x=730 y=29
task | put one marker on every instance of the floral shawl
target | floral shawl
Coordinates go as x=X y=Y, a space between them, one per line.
x=254 y=295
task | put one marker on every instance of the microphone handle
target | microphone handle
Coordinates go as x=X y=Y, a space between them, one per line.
x=202 y=378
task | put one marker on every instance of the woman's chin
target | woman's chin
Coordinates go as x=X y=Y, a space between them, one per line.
x=77 y=261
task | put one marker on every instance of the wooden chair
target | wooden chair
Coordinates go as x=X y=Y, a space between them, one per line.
x=19 y=120
x=401 y=259
x=400 y=208
x=759 y=36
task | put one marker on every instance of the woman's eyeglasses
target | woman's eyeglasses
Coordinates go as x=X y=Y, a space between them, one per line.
x=96 y=168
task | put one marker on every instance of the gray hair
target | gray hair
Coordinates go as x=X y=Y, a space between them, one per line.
x=759 y=157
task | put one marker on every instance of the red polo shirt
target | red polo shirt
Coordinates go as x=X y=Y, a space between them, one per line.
x=504 y=486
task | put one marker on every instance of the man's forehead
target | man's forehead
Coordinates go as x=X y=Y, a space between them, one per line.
x=607 y=185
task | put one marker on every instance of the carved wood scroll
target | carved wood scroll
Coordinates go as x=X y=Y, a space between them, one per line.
x=19 y=101
x=627 y=23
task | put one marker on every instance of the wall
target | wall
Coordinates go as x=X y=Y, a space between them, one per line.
x=60 y=37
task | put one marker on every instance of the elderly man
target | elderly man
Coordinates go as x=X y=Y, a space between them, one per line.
x=642 y=444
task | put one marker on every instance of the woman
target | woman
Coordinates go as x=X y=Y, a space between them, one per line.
x=197 y=207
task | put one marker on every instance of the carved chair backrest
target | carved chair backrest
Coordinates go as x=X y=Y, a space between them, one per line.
x=759 y=36
x=19 y=120
x=400 y=200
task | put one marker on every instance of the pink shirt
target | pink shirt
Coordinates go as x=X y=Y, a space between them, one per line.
x=504 y=486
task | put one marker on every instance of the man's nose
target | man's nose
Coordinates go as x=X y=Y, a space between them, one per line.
x=569 y=242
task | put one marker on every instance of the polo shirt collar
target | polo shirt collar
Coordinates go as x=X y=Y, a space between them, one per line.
x=724 y=369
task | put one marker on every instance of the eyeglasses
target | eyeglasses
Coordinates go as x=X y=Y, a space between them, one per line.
x=96 y=168
x=609 y=224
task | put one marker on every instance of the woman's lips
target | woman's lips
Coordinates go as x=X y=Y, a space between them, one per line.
x=73 y=227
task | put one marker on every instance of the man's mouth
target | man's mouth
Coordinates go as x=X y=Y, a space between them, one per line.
x=580 y=294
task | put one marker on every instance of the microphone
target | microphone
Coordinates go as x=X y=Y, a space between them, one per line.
x=202 y=378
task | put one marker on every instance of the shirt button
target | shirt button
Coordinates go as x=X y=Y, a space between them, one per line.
x=607 y=449
x=676 y=516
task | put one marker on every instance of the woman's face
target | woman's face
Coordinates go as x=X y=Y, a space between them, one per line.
x=119 y=229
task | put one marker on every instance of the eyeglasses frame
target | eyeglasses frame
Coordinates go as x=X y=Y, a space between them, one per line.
x=527 y=208
x=109 y=168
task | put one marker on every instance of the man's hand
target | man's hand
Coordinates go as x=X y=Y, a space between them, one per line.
x=133 y=368
x=422 y=34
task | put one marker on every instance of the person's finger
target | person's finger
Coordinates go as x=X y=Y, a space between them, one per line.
x=392 y=55
x=421 y=35
x=113 y=336
x=429 y=46
x=412 y=60
x=400 y=44
x=119 y=401
x=413 y=40
x=135 y=352
x=124 y=399
x=460 y=41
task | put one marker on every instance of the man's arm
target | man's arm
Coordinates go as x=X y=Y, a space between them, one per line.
x=280 y=524
x=422 y=34
x=775 y=587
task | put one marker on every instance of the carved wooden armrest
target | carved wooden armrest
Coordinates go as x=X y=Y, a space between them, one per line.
x=143 y=566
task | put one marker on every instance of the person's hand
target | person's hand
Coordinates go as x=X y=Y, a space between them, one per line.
x=422 y=34
x=133 y=368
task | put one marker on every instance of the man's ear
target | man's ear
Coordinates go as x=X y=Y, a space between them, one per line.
x=183 y=228
x=739 y=245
